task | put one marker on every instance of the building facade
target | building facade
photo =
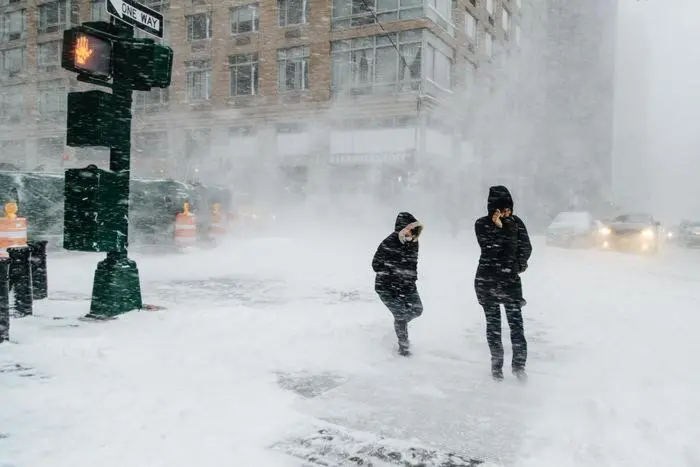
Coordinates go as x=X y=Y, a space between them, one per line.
x=279 y=91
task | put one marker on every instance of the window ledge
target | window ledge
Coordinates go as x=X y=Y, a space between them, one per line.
x=242 y=100
x=293 y=26
x=294 y=95
x=236 y=35
x=432 y=86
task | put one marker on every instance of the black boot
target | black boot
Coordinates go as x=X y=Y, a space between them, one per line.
x=497 y=373
x=404 y=348
x=401 y=328
x=520 y=374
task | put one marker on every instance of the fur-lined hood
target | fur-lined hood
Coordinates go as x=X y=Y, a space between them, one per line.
x=405 y=223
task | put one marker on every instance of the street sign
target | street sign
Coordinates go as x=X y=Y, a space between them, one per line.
x=137 y=15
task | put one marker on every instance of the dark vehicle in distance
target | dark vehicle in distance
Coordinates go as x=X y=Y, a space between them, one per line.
x=689 y=234
x=572 y=229
x=631 y=232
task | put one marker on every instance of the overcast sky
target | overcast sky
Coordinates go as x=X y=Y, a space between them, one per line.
x=670 y=31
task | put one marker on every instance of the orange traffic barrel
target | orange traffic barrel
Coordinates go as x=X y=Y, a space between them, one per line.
x=13 y=230
x=218 y=224
x=185 y=228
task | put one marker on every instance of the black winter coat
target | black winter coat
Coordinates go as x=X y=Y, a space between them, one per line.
x=396 y=260
x=504 y=253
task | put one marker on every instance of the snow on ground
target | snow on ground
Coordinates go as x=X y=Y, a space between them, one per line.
x=266 y=341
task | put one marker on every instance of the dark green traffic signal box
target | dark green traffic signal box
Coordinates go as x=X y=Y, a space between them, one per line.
x=94 y=219
x=90 y=120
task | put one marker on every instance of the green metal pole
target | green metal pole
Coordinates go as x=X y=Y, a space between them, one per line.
x=117 y=287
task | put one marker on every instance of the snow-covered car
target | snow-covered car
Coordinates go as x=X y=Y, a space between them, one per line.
x=631 y=232
x=572 y=229
x=689 y=234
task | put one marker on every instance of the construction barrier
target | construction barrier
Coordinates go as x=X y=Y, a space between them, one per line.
x=218 y=228
x=185 y=228
x=13 y=230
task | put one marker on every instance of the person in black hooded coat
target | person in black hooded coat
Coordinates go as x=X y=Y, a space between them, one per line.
x=505 y=251
x=396 y=265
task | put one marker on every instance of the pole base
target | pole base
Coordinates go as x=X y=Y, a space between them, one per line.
x=116 y=288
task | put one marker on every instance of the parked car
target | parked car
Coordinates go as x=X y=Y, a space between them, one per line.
x=689 y=234
x=631 y=232
x=572 y=229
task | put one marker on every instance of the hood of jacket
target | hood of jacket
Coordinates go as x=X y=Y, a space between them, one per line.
x=405 y=222
x=499 y=198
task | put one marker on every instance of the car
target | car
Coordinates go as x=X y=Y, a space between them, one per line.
x=689 y=234
x=572 y=229
x=636 y=232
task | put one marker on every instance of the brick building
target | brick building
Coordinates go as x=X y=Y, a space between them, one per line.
x=293 y=87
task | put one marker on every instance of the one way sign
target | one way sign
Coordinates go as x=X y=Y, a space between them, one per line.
x=137 y=15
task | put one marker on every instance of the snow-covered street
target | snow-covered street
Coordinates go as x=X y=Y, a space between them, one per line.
x=267 y=341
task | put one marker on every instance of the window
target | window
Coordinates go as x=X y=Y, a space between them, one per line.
x=241 y=132
x=161 y=6
x=292 y=12
x=50 y=151
x=517 y=34
x=153 y=100
x=519 y=3
x=372 y=64
x=54 y=16
x=352 y=13
x=12 y=104
x=150 y=154
x=243 y=75
x=197 y=144
x=198 y=80
x=14 y=153
x=98 y=11
x=14 y=62
x=505 y=21
x=443 y=7
x=470 y=24
x=488 y=44
x=293 y=69
x=49 y=56
x=199 y=27
x=51 y=100
x=14 y=25
x=439 y=67
x=489 y=7
x=245 y=19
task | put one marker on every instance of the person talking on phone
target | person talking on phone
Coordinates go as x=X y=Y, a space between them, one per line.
x=505 y=251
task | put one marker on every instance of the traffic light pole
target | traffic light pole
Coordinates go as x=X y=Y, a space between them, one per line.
x=96 y=214
x=116 y=288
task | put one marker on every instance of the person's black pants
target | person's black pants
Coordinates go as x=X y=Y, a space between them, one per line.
x=405 y=305
x=517 y=334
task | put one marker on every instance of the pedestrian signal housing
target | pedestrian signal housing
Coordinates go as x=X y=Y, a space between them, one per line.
x=86 y=51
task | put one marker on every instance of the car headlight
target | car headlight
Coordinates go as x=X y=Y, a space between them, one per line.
x=605 y=231
x=648 y=233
